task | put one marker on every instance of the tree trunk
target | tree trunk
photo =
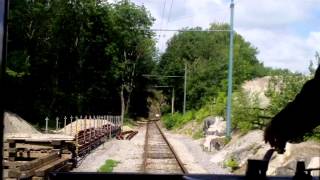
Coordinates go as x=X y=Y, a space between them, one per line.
x=127 y=104
x=122 y=103
x=130 y=87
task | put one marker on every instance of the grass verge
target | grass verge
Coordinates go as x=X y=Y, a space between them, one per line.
x=108 y=165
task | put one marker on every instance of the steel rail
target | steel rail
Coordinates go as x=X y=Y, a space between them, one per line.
x=166 y=142
x=184 y=170
x=144 y=165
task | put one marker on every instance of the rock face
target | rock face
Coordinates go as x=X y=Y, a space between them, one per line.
x=252 y=146
x=257 y=87
x=241 y=148
x=314 y=163
x=286 y=164
x=213 y=143
x=214 y=128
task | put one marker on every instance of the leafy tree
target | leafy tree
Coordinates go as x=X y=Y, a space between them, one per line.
x=282 y=89
x=77 y=57
x=206 y=56
x=133 y=46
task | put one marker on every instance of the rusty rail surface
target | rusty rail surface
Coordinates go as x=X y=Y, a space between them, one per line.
x=159 y=156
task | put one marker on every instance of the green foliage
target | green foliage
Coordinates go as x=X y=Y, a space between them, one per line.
x=283 y=89
x=73 y=57
x=128 y=122
x=186 y=118
x=232 y=163
x=198 y=134
x=246 y=112
x=169 y=120
x=220 y=104
x=108 y=165
x=202 y=113
x=177 y=120
x=314 y=135
x=226 y=140
x=206 y=56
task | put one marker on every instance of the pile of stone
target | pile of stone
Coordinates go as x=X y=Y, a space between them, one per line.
x=77 y=125
x=15 y=125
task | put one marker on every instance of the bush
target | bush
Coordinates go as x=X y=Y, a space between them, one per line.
x=177 y=120
x=198 y=134
x=128 y=122
x=232 y=163
x=202 y=113
x=246 y=112
x=183 y=119
x=168 y=121
x=221 y=104
x=108 y=165
x=283 y=89
x=314 y=135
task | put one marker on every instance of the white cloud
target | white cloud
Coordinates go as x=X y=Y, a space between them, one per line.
x=314 y=40
x=270 y=25
x=282 y=49
x=273 y=13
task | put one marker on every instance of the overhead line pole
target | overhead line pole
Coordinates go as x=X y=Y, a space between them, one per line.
x=172 y=101
x=230 y=69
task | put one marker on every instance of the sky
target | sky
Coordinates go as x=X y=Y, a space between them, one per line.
x=285 y=32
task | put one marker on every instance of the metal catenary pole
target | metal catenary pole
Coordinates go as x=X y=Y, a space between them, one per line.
x=57 y=123
x=172 y=101
x=47 y=119
x=229 y=98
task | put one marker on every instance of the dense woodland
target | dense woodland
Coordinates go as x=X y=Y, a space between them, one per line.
x=78 y=57
x=88 y=57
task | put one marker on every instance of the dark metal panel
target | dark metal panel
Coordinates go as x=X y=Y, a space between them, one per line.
x=3 y=54
x=98 y=176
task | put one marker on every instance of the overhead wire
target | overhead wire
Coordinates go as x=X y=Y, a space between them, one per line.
x=168 y=20
x=162 y=16
x=169 y=15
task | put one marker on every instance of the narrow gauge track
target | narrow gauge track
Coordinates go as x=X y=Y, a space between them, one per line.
x=159 y=156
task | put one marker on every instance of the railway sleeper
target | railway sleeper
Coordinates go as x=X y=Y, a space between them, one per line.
x=30 y=169
x=157 y=155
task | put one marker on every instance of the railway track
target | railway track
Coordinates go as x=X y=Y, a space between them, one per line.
x=159 y=156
